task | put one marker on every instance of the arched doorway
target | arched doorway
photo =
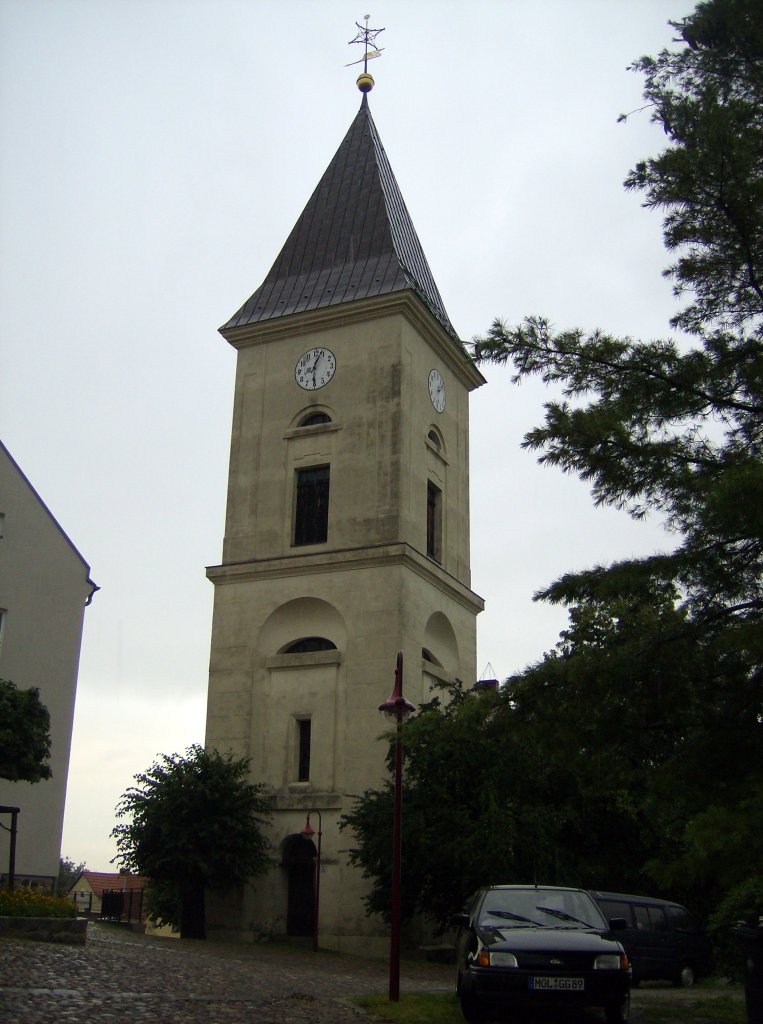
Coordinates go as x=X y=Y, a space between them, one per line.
x=299 y=856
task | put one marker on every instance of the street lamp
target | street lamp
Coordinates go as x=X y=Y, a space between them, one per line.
x=308 y=832
x=398 y=708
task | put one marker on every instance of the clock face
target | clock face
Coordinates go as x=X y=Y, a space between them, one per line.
x=315 y=368
x=437 y=390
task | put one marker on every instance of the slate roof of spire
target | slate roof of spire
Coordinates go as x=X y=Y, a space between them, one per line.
x=353 y=240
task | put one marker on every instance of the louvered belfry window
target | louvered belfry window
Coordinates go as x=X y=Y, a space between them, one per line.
x=311 y=517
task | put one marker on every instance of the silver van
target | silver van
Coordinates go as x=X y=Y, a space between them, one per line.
x=662 y=939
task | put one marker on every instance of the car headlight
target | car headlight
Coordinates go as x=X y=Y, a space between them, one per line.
x=611 y=962
x=486 y=958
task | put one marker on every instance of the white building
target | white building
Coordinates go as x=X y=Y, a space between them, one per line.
x=44 y=587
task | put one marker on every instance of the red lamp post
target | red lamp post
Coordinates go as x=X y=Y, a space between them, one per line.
x=398 y=708
x=308 y=832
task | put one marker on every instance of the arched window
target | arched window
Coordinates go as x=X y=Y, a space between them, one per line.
x=308 y=644
x=314 y=418
x=434 y=437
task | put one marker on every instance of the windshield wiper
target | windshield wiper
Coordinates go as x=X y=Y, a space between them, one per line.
x=563 y=916
x=511 y=917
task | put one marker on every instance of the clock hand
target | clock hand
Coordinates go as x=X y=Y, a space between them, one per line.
x=315 y=365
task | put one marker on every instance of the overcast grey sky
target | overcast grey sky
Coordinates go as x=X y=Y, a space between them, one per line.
x=154 y=155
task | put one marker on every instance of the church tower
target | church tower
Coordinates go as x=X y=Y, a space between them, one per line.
x=347 y=530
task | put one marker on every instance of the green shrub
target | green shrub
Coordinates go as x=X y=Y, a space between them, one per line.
x=28 y=903
x=728 y=952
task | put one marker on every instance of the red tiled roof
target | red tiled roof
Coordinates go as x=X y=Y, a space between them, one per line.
x=100 y=881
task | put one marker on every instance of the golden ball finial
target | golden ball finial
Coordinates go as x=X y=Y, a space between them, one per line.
x=365 y=82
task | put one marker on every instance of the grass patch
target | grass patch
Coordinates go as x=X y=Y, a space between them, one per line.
x=414 y=1008
x=700 y=1010
x=699 y=1007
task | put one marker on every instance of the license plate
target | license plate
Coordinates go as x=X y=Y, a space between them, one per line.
x=557 y=984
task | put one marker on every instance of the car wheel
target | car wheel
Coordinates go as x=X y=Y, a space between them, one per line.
x=471 y=1009
x=685 y=977
x=618 y=1013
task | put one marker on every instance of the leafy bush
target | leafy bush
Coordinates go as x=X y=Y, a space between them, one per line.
x=728 y=952
x=28 y=903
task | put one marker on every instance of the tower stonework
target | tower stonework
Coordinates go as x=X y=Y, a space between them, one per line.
x=347 y=531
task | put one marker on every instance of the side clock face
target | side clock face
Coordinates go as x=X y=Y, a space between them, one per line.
x=437 y=390
x=315 y=368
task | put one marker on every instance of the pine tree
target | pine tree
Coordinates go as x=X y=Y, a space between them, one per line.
x=675 y=426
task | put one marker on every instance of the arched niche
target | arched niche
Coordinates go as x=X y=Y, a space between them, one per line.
x=441 y=644
x=301 y=618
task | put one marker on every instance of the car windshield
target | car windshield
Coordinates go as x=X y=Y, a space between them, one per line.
x=540 y=908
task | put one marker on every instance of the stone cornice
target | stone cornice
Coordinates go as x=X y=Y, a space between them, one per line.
x=303 y=796
x=406 y=303
x=347 y=559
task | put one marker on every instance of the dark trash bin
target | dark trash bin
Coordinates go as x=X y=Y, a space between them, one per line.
x=749 y=934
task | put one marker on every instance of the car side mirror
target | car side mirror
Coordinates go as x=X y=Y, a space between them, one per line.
x=617 y=924
x=460 y=920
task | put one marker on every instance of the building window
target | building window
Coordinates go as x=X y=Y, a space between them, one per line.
x=311 y=517
x=304 y=727
x=434 y=521
x=313 y=419
x=3 y=613
x=309 y=644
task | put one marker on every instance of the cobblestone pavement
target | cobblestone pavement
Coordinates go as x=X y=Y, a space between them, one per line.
x=123 y=978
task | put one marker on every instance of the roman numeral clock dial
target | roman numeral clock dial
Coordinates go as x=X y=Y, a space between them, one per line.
x=315 y=368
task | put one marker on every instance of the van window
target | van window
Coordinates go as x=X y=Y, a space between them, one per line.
x=680 y=919
x=642 y=918
x=657 y=919
x=611 y=908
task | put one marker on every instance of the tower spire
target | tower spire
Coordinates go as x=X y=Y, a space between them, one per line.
x=354 y=240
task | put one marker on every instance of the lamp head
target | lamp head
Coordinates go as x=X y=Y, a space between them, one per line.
x=397 y=707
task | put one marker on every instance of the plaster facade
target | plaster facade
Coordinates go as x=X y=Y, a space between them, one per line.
x=347 y=532
x=370 y=589
x=44 y=587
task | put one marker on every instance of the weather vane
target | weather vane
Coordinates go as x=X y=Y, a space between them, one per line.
x=366 y=36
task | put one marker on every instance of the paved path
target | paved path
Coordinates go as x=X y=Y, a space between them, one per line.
x=123 y=978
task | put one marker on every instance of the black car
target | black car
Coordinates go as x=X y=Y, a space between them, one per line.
x=538 y=945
